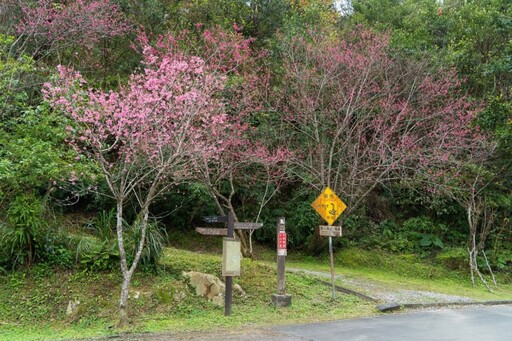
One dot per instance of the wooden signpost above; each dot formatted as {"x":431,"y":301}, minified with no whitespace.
{"x":230,"y":249}
{"x":219,"y":231}
{"x":329,"y":207}
{"x":212,"y":231}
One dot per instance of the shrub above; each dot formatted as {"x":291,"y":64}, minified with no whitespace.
{"x":453,"y":259}
{"x":431,"y":233}
{"x":99,"y":250}
{"x":23,"y":229}
{"x":155,"y":240}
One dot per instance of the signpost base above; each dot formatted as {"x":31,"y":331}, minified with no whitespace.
{"x":281,"y":301}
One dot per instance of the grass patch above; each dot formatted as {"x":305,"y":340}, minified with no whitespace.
{"x":33,"y":303}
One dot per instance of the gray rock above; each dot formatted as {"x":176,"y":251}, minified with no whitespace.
{"x":210,"y":287}
{"x":72,"y":307}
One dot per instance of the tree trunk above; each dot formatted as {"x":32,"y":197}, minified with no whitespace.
{"x":123,"y":300}
{"x":490,"y":269}
{"x":244,"y":244}
{"x":473,"y":215}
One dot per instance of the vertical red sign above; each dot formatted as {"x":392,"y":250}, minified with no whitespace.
{"x":281,"y":240}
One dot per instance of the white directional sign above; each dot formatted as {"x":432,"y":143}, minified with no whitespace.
{"x":330,"y":231}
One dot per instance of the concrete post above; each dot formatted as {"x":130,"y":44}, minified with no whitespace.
{"x":281,"y":299}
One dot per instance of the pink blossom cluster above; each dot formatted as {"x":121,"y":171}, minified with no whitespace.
{"x":166,"y":115}
{"x":84,"y":22}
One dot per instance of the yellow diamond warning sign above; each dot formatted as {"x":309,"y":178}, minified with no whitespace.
{"x":329,"y":206}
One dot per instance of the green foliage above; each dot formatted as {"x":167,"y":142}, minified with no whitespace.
{"x":436,"y":221}
{"x":34,"y":155}
{"x":22,"y":231}
{"x":34,"y":152}
{"x":185,"y":206}
{"x":30,"y":234}
{"x":453,"y":258}
{"x":54,"y":248}
{"x":18,"y":79}
{"x":314,"y":13}
{"x":431,"y":233}
{"x":95,"y":254}
{"x":98,"y":250}
{"x":473,"y":36}
{"x":501,"y":259}
{"x":34,"y":160}
{"x":155,"y":239}
{"x":496,"y":117}
{"x":258,"y":19}
{"x":25,"y":212}
{"x":301,"y":224}
{"x":481,"y":44}
{"x":301,"y":219}
{"x":420,"y":235}
{"x":393,"y":239}
{"x":156,"y":16}
{"x":416,"y":25}
{"x":104,"y":225}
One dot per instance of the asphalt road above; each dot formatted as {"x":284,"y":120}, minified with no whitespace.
{"x":489,"y":323}
{"x":476,"y":323}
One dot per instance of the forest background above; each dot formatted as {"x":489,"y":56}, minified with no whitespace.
{"x":122,"y":121}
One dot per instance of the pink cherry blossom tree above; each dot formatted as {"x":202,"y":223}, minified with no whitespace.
{"x":147,"y":136}
{"x":359,"y":116}
{"x":246,"y":159}
{"x":48,"y":26}
{"x":249,"y":158}
{"x":244,"y":164}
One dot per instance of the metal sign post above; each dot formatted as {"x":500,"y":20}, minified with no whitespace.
{"x":331,"y":231}
{"x":281,"y":299}
{"x":331,"y":255}
{"x":329,"y":207}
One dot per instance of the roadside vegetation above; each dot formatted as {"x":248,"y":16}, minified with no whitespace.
{"x":34,"y":302}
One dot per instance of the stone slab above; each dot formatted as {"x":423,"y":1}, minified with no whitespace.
{"x":388,"y":306}
{"x":281,"y":301}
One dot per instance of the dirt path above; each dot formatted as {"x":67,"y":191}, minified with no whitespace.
{"x":385,"y":293}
